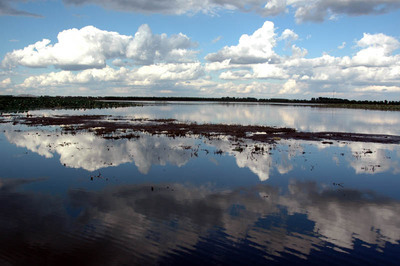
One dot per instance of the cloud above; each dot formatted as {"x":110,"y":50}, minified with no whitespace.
{"x":61,"y":78}
{"x":168,"y":72}
{"x":382,"y":41}
{"x":6,"y":9}
{"x":269,"y":71}
{"x":256,"y":48}
{"x":76,"y":49}
{"x":120,"y":63}
{"x":179,"y":7}
{"x":379,"y":89}
{"x":319,"y":10}
{"x":147,"y":48}
{"x":175,"y":7}
{"x":342,"y":46}
{"x":217,"y":39}
{"x":168,"y":63}
{"x":274,"y":7}
{"x":145,"y":75}
{"x":288,"y":35}
{"x":290,"y":87}
{"x":5,"y":82}
{"x":376,"y":50}
{"x":375,"y":65}
{"x":239,"y":74}
{"x":90,"y":47}
{"x":314,"y":11}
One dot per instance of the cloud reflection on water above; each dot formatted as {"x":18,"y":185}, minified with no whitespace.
{"x":122,"y":224}
{"x":311,"y":119}
{"x":90,"y":152}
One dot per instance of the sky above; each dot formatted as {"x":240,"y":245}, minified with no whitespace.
{"x":296,"y":49}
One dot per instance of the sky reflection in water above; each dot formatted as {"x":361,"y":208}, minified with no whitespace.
{"x":303,"y":118}
{"x":80,"y":198}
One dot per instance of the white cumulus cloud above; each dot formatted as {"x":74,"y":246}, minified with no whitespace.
{"x":90,"y":47}
{"x":289,"y":35}
{"x":147,"y":48}
{"x":107,"y":76}
{"x":76,"y":49}
{"x":251,"y":49}
{"x":147,"y":62}
{"x":377,"y":50}
{"x":375,"y":66}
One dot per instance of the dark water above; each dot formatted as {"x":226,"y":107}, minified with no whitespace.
{"x":79,"y":198}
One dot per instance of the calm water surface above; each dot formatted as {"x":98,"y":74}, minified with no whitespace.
{"x":75,"y":197}
{"x":300,"y":117}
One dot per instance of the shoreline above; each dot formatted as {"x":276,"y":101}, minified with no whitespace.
{"x":23,"y":104}
{"x":119,"y":128}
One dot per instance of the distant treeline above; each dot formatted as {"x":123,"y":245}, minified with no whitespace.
{"x":22,"y":104}
{"x":26,"y":103}
{"x":345,"y":101}
{"x":322,"y":100}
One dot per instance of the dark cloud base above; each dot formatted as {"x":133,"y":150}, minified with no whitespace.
{"x":8,"y":10}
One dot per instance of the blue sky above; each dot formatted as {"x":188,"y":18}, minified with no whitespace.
{"x":248,"y":48}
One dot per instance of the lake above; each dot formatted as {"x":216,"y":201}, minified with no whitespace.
{"x":121,"y":186}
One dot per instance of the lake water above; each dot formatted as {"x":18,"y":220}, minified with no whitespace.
{"x":80,"y":197}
